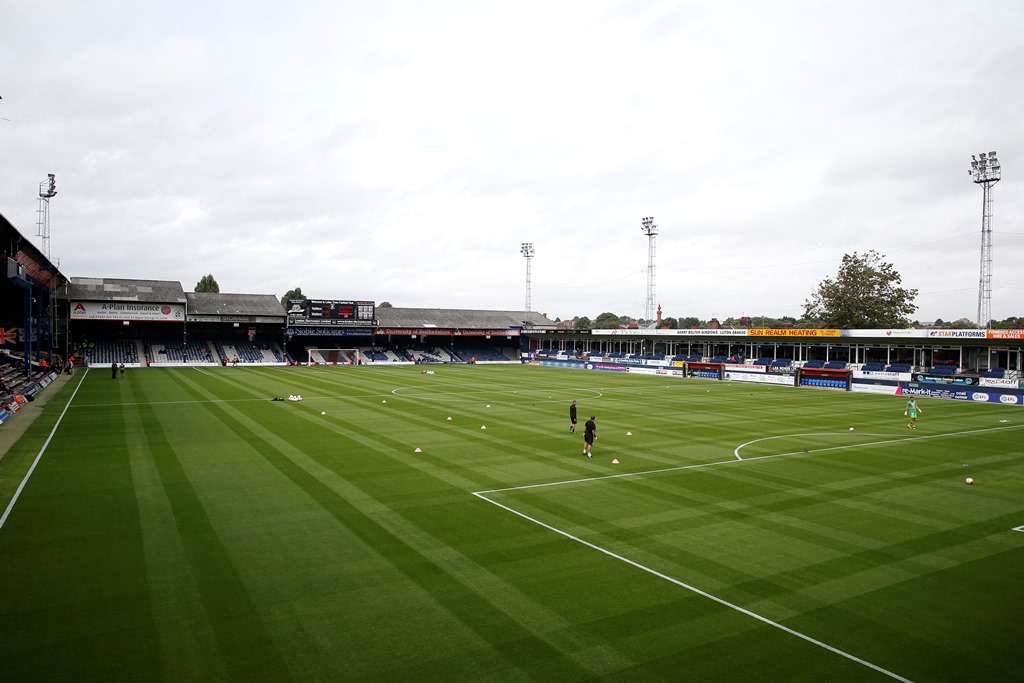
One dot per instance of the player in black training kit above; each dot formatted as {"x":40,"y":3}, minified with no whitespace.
{"x":589,"y":434}
{"x":572,"y":416}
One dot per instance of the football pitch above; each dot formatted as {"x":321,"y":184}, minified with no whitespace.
{"x":179,"y":525}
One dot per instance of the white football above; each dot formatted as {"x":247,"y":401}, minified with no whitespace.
{"x":851,"y":429}
{"x":969,"y":481}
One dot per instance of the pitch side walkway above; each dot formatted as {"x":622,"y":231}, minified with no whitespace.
{"x":12,"y":430}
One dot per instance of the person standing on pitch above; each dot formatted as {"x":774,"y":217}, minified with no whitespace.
{"x":589,"y":434}
{"x":113,"y":371}
{"x":572,"y":417}
{"x":911,"y":412}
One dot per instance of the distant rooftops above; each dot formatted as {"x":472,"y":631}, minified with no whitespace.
{"x":117,"y":289}
{"x":460,"y":318}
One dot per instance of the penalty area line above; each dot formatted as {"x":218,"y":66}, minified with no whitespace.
{"x":693,"y":589}
{"x":39,"y":456}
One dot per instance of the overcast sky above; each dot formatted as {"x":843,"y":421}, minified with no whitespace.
{"x":401,"y":151}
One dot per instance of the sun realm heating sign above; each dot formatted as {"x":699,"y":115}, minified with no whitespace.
{"x":127,"y":310}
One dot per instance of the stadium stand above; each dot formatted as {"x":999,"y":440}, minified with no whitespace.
{"x":814,"y":364}
{"x":899,"y":367}
{"x":874,"y":366}
{"x":836,"y":365}
{"x":484,"y":355}
{"x":994,"y":373}
{"x":107,"y":352}
{"x":176,"y":352}
{"x":944,"y":370}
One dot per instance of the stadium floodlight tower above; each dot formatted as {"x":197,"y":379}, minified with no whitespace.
{"x":985,"y":171}
{"x":651,"y":230}
{"x":526,"y":249}
{"x":47,"y":191}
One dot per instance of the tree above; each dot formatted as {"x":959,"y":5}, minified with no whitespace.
{"x":866,"y":292}
{"x":1014,"y":322}
{"x":207,"y":284}
{"x":688,"y":323}
{"x":385,"y":304}
{"x":607,"y":321}
{"x":582,"y":323}
{"x":292,"y":294}
{"x":669,"y":323}
{"x":963,"y":324}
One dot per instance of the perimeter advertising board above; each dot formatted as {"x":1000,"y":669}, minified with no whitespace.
{"x":127,"y":310}
{"x":1005,"y":334}
{"x":670,"y":333}
{"x":760,"y":378}
{"x":790,"y":332}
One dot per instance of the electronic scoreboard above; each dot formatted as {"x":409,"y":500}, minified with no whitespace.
{"x":330,"y":312}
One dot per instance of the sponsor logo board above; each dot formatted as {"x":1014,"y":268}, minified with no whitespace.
{"x":671,"y":333}
{"x":1005,"y":334}
{"x":759,"y":378}
{"x":998,"y":382}
{"x":888,"y":389}
{"x":790,"y":332}
{"x":958,"y":334}
{"x":746,"y":368}
{"x":127,"y":310}
{"x":881,"y":374}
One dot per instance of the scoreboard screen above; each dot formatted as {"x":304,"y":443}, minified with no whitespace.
{"x":330,"y":312}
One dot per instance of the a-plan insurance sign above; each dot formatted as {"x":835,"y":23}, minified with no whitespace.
{"x":127,"y":310}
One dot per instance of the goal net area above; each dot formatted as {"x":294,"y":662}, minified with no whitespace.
{"x":321,"y":356}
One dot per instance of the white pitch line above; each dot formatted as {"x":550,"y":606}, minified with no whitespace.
{"x":698,"y":591}
{"x":39,"y":456}
{"x":734,"y":462}
{"x":1018,"y":528}
{"x":793,"y":436}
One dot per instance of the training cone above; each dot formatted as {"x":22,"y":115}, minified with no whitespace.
{"x":384,"y":401}
{"x":629,"y":433}
{"x":418,"y":450}
{"x":615,"y":461}
{"x":483,"y":426}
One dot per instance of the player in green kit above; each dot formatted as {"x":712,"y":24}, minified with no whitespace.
{"x":912,"y":412}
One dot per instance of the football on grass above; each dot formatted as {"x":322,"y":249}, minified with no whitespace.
{"x":969,"y":481}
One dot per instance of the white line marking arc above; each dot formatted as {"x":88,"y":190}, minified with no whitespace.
{"x":39,"y":456}
{"x":753,"y":459}
{"x":793,"y":436}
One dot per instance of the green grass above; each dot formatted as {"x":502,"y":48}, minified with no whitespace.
{"x":183,"y":527}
